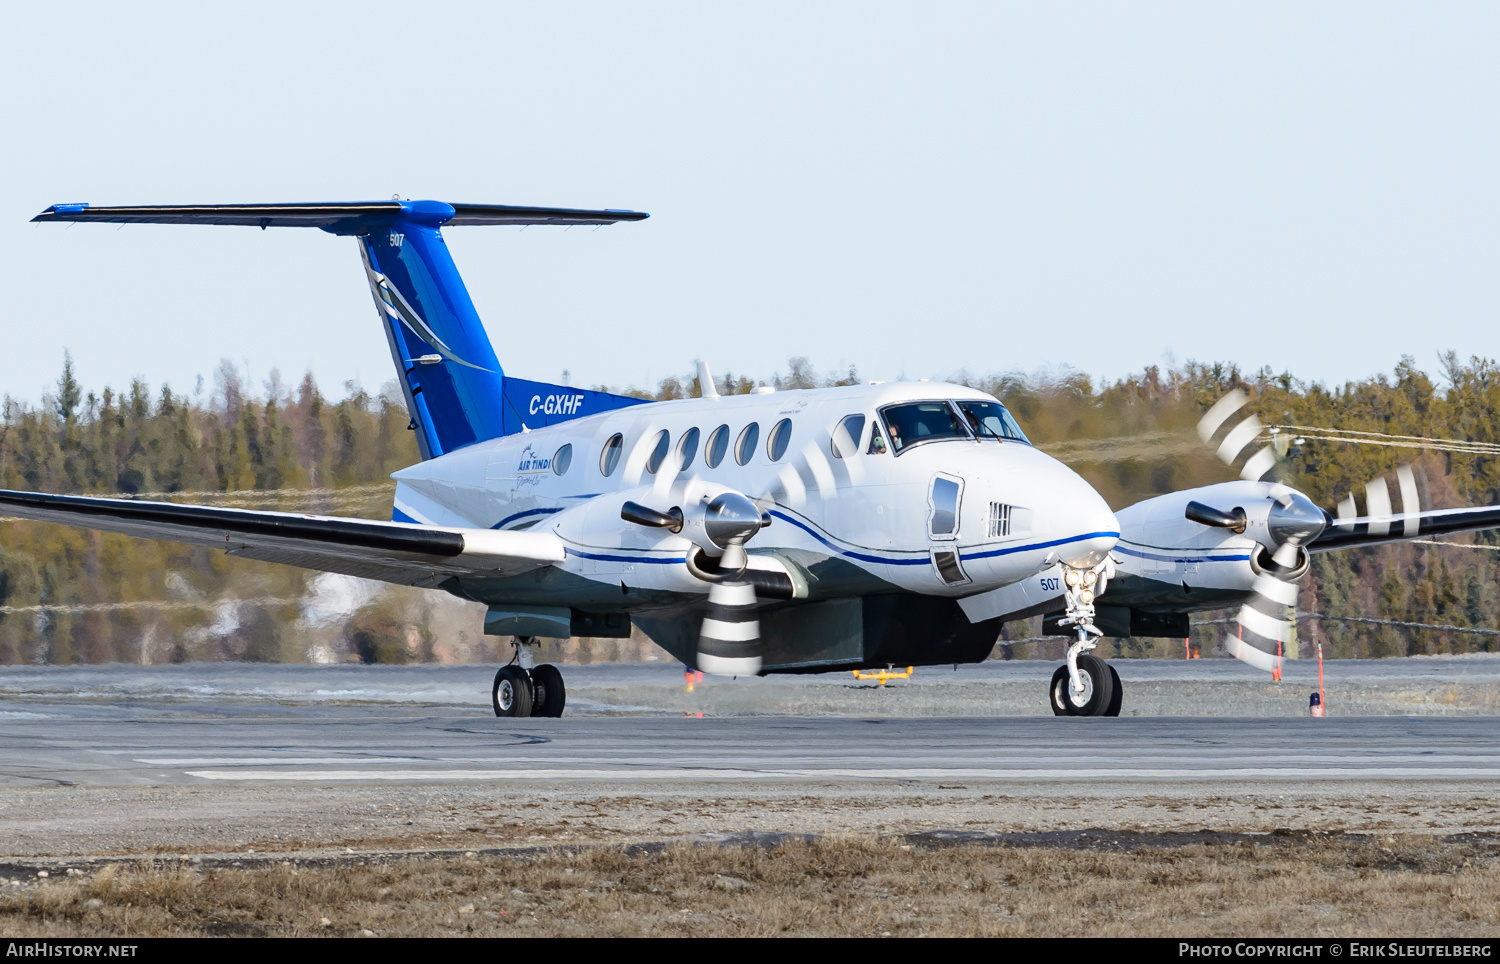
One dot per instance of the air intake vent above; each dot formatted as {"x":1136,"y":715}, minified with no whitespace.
{"x":999,"y":520}
{"x":1008,"y":520}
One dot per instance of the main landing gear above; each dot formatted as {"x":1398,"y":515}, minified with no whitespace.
{"x":1086,"y":685}
{"x":523,"y":688}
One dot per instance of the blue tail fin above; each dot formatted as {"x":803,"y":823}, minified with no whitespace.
{"x":455,"y":389}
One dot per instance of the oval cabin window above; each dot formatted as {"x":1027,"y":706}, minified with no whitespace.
{"x":781,"y":437}
{"x":610,"y":457}
{"x":659,"y":452}
{"x":687,"y":448}
{"x":744,"y":448}
{"x":718,"y":445}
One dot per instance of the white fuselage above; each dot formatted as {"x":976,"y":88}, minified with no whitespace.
{"x":1015,"y":512}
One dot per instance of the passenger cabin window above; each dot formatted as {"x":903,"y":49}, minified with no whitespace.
{"x":610,"y":457}
{"x":991,"y":420}
{"x":917,"y":422}
{"x":846,"y":436}
{"x":659,"y":452}
{"x":562,"y":459}
{"x":687,"y":448}
{"x":744,"y":446}
{"x":877,"y":441}
{"x":781,"y":436}
{"x":718,"y":444}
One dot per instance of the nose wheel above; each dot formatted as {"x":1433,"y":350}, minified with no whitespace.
{"x":1099,"y":696}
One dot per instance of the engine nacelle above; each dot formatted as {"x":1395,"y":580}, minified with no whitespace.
{"x":714,"y":520}
{"x":1271,"y":514}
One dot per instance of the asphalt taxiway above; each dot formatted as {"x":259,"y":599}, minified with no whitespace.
{"x":137,"y":726}
{"x":240,"y":758}
{"x":389,"y":745}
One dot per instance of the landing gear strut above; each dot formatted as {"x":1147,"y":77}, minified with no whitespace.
{"x":523,"y":688}
{"x":1086,"y":685}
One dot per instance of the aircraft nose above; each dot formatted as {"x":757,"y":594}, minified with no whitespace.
{"x":1086,"y":518}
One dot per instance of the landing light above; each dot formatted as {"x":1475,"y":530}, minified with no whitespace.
{"x":1071,"y":578}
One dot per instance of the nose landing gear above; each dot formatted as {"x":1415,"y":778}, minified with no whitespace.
{"x":1086,"y":685}
{"x":523,"y":688}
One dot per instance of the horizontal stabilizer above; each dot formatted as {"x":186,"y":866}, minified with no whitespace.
{"x":353,"y":218}
{"x":390,"y":551}
{"x":467,"y":214}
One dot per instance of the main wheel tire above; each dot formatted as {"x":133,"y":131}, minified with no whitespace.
{"x":1118,"y":695}
{"x":548,"y":695}
{"x":512,"y":692}
{"x":1098,"y":688}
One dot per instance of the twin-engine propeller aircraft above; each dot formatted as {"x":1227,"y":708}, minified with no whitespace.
{"x":854,"y":527}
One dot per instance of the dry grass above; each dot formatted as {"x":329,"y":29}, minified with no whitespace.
{"x":1397,"y":886}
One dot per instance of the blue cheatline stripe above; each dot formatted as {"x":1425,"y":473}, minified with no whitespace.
{"x":1040,"y":545}
{"x":398,"y":516}
{"x":601,"y":557}
{"x":1161,"y":558}
{"x":922,"y":560}
{"x":925,"y":559}
{"x":522,"y":515}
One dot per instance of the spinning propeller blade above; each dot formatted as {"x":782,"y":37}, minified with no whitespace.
{"x":729,"y":640}
{"x":1238,"y":438}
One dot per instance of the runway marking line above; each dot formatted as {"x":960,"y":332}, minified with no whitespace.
{"x":1002,"y":776}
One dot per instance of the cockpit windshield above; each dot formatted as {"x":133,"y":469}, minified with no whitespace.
{"x":991,"y":420}
{"x":917,"y":422}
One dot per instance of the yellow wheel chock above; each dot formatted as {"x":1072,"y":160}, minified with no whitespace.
{"x":883,"y":675}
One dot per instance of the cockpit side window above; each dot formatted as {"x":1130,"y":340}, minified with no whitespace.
{"x":846,"y":435}
{"x":991,"y":420}
{"x":913,"y":423}
{"x":877,"y":441}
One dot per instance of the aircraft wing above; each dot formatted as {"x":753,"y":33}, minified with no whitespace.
{"x":398,"y":552}
{"x":1367,"y":531}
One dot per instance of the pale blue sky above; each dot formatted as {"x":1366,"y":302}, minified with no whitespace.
{"x":911,"y":188}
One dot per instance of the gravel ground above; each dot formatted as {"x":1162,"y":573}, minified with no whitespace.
{"x":312,"y":821}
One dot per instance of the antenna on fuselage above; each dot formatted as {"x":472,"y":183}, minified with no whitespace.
{"x":706,"y":382}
